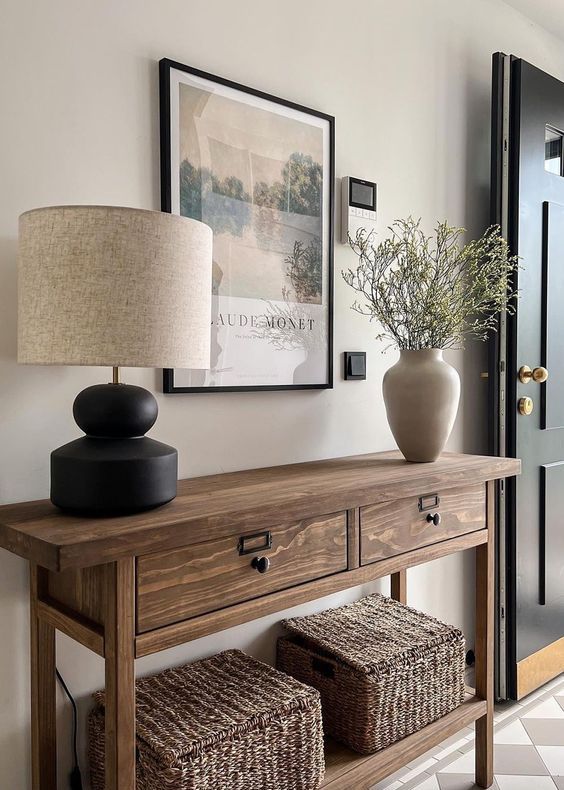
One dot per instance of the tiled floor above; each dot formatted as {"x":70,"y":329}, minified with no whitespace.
{"x":529,"y":750}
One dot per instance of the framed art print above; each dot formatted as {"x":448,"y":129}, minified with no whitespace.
{"x":260,"y":172}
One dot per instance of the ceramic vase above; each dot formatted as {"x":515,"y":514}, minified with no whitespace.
{"x":421,"y":393}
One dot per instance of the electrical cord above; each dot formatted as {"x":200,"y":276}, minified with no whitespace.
{"x":75,"y":775}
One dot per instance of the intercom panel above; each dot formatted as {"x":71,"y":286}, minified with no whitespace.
{"x":358,"y":206}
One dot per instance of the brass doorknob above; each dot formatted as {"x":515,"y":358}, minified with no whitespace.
{"x":539,"y":374}
{"x":526,"y":406}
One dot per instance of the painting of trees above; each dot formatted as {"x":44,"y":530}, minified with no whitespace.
{"x":221,"y":214}
{"x":298,"y":192}
{"x":305,"y":270}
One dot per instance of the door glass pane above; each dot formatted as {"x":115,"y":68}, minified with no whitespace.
{"x":553,"y":151}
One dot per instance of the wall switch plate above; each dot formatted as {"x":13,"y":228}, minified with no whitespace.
{"x":355,"y":365}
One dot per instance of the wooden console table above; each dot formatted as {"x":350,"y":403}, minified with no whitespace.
{"x":237,"y":546}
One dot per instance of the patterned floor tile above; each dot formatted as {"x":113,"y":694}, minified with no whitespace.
{"x":545,"y":732}
{"x":425,"y":757}
{"x":419,"y":768}
{"x":533,"y":696}
{"x":462,"y":765}
{"x":508,"y":759}
{"x":460,"y":782}
{"x":525,"y":783}
{"x":546,"y":709}
{"x":455,"y":744}
{"x":529,"y":750}
{"x":506,"y":709}
{"x":430,"y":783}
{"x":553,"y":684}
{"x":514,"y":733}
{"x":386,"y":785}
{"x":391,"y":782}
{"x":553,"y":758}
{"x":518,"y":761}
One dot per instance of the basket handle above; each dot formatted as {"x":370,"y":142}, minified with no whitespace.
{"x":322,"y":667}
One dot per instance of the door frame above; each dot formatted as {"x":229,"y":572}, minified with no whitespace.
{"x":513,"y":679}
{"x":498,"y":366}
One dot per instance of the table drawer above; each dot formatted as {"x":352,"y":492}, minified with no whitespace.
{"x":401,"y":525}
{"x":181,"y":583}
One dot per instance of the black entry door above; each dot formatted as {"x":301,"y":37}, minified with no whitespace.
{"x":528,"y":202}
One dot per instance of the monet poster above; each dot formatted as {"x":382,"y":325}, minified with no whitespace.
{"x":259,"y":172}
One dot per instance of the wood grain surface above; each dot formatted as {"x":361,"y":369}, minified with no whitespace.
{"x":540,"y":667}
{"x":211,"y":622}
{"x":119,"y":630}
{"x":80,"y":589}
{"x":390,"y":528}
{"x":485,"y":644}
{"x":84,"y":631}
{"x":212,"y":507}
{"x":181,"y":583}
{"x":398,"y":586}
{"x":346,"y":770}
{"x":43,"y":691}
{"x":183,"y":562}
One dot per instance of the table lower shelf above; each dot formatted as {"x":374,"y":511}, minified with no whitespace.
{"x":345,"y":769}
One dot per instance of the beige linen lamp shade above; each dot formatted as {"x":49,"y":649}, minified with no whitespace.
{"x":103,"y":285}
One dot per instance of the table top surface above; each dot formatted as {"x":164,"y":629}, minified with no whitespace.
{"x":210,"y":507}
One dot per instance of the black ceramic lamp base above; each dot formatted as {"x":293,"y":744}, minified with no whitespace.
{"x":114,"y":468}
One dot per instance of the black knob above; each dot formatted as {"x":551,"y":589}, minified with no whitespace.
{"x":262,"y":564}
{"x":435,"y":518}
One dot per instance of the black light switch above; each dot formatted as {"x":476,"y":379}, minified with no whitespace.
{"x":355,"y":365}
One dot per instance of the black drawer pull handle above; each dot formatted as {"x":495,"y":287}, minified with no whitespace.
{"x":262,"y":564}
{"x":251,"y":544}
{"x":428,"y":502}
{"x":435,"y":518}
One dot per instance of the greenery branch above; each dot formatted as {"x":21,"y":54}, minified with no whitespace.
{"x":432,"y":291}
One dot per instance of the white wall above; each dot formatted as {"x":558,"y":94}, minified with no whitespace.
{"x":409,"y":84}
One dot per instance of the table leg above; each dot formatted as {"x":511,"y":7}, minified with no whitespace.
{"x":484,"y":649}
{"x":43,"y":693}
{"x":398,"y":584}
{"x":119,"y":630}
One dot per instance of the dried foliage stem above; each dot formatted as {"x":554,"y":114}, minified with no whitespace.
{"x":432,"y":291}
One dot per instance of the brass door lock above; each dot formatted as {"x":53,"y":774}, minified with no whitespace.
{"x":526,"y":406}
{"x":539,"y":375}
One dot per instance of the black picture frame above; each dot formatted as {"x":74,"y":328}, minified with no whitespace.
{"x":166,"y":65}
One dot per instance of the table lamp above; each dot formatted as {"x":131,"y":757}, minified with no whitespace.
{"x":102,"y":285}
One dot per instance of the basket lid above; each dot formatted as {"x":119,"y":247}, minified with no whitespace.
{"x":374,"y":634}
{"x":184,"y":711}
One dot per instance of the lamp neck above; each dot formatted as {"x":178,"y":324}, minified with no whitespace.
{"x":115,"y":376}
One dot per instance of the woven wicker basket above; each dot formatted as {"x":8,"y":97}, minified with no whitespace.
{"x":383,"y":669}
{"x":227,"y":722}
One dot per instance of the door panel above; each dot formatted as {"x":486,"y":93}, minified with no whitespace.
{"x":552,"y":405}
{"x":551,"y":581}
{"x":533,"y":204}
